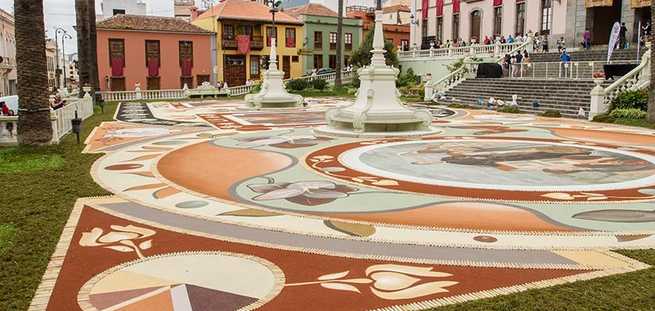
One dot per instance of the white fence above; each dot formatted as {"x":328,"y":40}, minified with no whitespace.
{"x":496,"y":50}
{"x":558,"y":70}
{"x":60,"y":118}
{"x":124,"y":96}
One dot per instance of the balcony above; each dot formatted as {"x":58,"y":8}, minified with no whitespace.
{"x":256,"y":43}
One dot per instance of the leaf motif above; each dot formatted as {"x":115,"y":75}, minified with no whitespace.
{"x":416,"y":291}
{"x":145,"y":187}
{"x":323,"y":157}
{"x":165,"y":192}
{"x":340,"y":286}
{"x":355,"y":179}
{"x":146,"y":245}
{"x":558,"y":196}
{"x":90,"y":238}
{"x":411,"y":270}
{"x":353,"y":229}
{"x":333,"y":276}
{"x":145,"y":157}
{"x":279,"y":194}
{"x":597,"y":198}
{"x":250,"y":212}
{"x":386,"y":182}
{"x":333,"y":169}
{"x":121,"y":248}
{"x":590,"y":194}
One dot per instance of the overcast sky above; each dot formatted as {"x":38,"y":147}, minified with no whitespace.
{"x":61,"y":13}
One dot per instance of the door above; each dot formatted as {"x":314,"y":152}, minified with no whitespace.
{"x":153,"y":83}
{"x":286,"y":66}
{"x":234,"y":72}
{"x":476,"y":17}
{"x":117,"y":84}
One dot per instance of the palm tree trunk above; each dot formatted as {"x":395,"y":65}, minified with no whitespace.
{"x":651,"y":95}
{"x":34,"y":125}
{"x":337,"y":79}
{"x":92,"y":45}
{"x":82,"y":16}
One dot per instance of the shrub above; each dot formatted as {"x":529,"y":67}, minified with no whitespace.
{"x":605,"y":118}
{"x":256,"y":88}
{"x":551,"y":114}
{"x":319,"y":84}
{"x":408,"y":78}
{"x":628,"y":113}
{"x":631,"y":99}
{"x":509,"y":109}
{"x":297,"y":84}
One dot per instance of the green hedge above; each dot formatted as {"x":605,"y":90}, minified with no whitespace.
{"x":631,"y":99}
{"x":297,"y":84}
{"x":628,"y":113}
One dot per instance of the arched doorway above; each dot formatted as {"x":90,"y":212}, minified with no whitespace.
{"x":600,"y":20}
{"x":476,"y":22}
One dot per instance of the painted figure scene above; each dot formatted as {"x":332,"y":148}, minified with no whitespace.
{"x":201,"y":155}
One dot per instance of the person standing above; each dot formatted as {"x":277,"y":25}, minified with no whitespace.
{"x":622,"y":36}
{"x":545,"y":43}
{"x":586,"y":39}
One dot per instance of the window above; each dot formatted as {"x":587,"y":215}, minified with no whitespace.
{"x":254,"y":67}
{"x":424,"y":29}
{"x":202,"y":79}
{"x":270,"y":33}
{"x":186,"y":59}
{"x":118,"y":11}
{"x":439,"y":34}
{"x":333,"y":41}
{"x":498,"y":20}
{"x":455,"y":27}
{"x":295,"y":58}
{"x":349,"y":41}
{"x":318,"y":40}
{"x":290,"y":35}
{"x":228,"y":32}
{"x":333,"y":61}
{"x":520,"y":18}
{"x":117,"y":57}
{"x":153,"y":60}
{"x":318,"y":61}
{"x":404,"y":45}
{"x":546,"y":16}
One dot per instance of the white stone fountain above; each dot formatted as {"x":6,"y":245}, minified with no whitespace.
{"x":377,"y":111}
{"x":273,"y":94}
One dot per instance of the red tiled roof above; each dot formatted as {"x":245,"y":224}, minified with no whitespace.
{"x":149,"y":23}
{"x":247,"y":10}
{"x":396,"y":8}
{"x":311,"y":9}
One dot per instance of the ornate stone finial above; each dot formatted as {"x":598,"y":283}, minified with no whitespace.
{"x":273,"y":55}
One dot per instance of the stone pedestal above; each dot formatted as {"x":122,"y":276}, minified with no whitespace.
{"x":273,"y":94}
{"x":378,"y":111}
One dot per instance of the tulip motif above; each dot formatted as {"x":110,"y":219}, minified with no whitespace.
{"x":389,"y":281}
{"x":124,"y":239}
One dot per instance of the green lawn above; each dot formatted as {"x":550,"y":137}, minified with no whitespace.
{"x":41,"y":185}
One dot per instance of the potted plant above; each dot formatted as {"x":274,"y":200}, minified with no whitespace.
{"x":598,"y":77}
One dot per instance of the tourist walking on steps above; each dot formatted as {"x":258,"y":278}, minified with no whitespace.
{"x":622,"y":39}
{"x":545,"y":43}
{"x":586,"y":39}
{"x":561,"y":45}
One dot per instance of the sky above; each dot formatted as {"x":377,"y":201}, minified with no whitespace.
{"x":61,"y":13}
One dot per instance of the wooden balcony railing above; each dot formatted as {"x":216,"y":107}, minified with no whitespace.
{"x":256,"y":43}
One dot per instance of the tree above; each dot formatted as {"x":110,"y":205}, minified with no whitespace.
{"x":82,"y":21}
{"x":362,"y":56}
{"x":651,"y":97}
{"x":337,"y":79}
{"x":34,"y":125}
{"x":94,"y":80}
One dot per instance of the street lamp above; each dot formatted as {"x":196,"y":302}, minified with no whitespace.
{"x":63,"y":51}
{"x":275,"y":7}
{"x":59,"y":30}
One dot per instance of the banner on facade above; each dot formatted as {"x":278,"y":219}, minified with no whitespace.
{"x":640,"y":3}
{"x":439,"y":8}
{"x":497,"y":2}
{"x":595,"y":3}
{"x":614,"y":40}
{"x":456,"y":6}
{"x":243,"y":44}
{"x":425,"y":6}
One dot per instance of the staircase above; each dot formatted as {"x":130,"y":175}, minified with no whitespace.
{"x":590,"y":55}
{"x":565,"y":96}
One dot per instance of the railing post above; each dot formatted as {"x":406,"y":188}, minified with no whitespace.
{"x":429,"y":90}
{"x":597,"y":105}
{"x":497,"y":49}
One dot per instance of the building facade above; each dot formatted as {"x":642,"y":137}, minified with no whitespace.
{"x":244,"y":30}
{"x":183,"y":9}
{"x":319,"y":47}
{"x":7,"y":54}
{"x":443,"y":20}
{"x":110,"y":8}
{"x":395,"y":33}
{"x":51,"y":62}
{"x":153,"y":52}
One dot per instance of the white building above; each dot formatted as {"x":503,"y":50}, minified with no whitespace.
{"x":109,"y":8}
{"x":7,"y":55}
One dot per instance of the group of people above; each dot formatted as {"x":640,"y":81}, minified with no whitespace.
{"x":512,"y":63}
{"x":5,"y":111}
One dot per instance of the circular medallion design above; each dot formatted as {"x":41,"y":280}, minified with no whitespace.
{"x":547,"y":169}
{"x":185,"y":281}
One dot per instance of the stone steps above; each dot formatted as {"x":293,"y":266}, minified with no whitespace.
{"x":591,"y":55}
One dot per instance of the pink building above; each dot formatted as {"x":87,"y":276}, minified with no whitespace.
{"x":155,"y":52}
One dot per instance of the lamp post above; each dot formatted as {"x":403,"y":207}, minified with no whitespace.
{"x":274,"y":5}
{"x":58,"y":30}
{"x":63,"y":51}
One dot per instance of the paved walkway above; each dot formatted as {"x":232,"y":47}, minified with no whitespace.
{"x":217,"y":207}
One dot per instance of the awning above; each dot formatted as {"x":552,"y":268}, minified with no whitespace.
{"x":595,"y":3}
{"x":640,"y":3}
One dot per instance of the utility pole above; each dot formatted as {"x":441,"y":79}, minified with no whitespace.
{"x":337,"y":78}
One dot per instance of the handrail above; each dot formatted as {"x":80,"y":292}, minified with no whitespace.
{"x":630,"y":76}
{"x":492,"y":49}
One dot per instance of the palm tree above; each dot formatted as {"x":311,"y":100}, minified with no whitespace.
{"x":93,"y":46}
{"x":82,"y":21}
{"x":34,"y":125}
{"x":337,"y":78}
{"x":651,"y":95}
